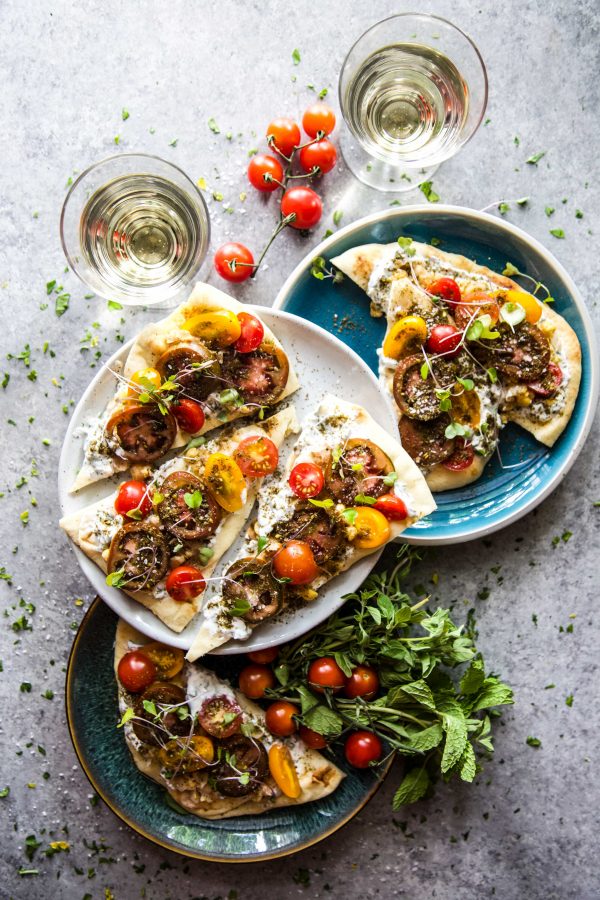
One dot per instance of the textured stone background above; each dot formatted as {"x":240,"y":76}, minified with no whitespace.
{"x":529,"y":827}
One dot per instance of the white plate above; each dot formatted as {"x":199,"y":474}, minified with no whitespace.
{"x":324,"y":365}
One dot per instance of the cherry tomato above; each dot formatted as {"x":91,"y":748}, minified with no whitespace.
{"x":220,"y":327}
{"x":362,"y":748}
{"x":283,"y":771}
{"x":306,"y":480}
{"x":139,"y":381}
{"x":255,"y":680}
{"x":473,"y":305}
{"x":226,"y":481}
{"x":364,"y":682}
{"x":444,"y":339}
{"x":547,"y":386}
{"x":279,"y":718}
{"x":372,"y":528}
{"x":447,"y":289}
{"x":168,"y":660}
{"x":133,"y":495}
{"x":185,"y":583}
{"x":264,"y":657}
{"x":252,"y":334}
{"x":220,"y":716}
{"x":461,"y":458}
{"x":136,"y":672}
{"x":295,"y":561}
{"x":533,"y":308}
{"x":320,"y":155}
{"x":190,"y":415}
{"x":257,"y":456}
{"x":305,"y":204}
{"x":393,"y":507}
{"x":323,"y":673}
{"x":264,"y":172}
{"x":311,"y":738}
{"x":284,"y":135}
{"x":318,"y":118}
{"x":234,"y":262}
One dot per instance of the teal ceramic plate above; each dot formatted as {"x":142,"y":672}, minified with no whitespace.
{"x":529,"y":471}
{"x":91,"y":700}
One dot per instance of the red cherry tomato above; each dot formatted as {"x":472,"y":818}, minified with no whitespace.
{"x":283,"y":134}
{"x":318,"y":118}
{"x":264,"y":172}
{"x":305,"y":204}
{"x":252,"y":333}
{"x":185,"y":583}
{"x":220,"y":716}
{"x":255,"y":680}
{"x":362,"y":748}
{"x":295,"y":561}
{"x":189,"y":414}
{"x":547,"y":386}
{"x":321,"y":155}
{"x":364,"y":682}
{"x":323,"y":673}
{"x":311,"y":738}
{"x":256,"y":456}
{"x":307,"y":480}
{"x":279,"y":718}
{"x":447,"y":289}
{"x":444,"y":339}
{"x":392,"y":507}
{"x":234,"y":262}
{"x":264,"y":657}
{"x":136,"y":672}
{"x":133,"y":495}
{"x":461,"y":458}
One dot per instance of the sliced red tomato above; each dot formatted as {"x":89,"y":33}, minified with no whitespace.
{"x":461,"y":458}
{"x":136,"y":672}
{"x":190,"y":415}
{"x":133,"y":495}
{"x":256,"y":456}
{"x":549,"y":385}
{"x":307,"y":480}
{"x":393,"y":507}
{"x":220,"y":716}
{"x":252,"y":334}
{"x":447,"y":289}
{"x":184,"y":583}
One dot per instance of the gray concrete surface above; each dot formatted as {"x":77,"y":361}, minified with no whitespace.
{"x":529,"y":827}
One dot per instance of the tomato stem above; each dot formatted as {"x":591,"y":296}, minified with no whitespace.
{"x":283,"y":223}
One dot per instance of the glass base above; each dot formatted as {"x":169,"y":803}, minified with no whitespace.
{"x":379,"y":175}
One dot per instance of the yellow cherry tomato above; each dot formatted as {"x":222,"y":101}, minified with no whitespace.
{"x":283,"y":770}
{"x":139,"y":380}
{"x":225,"y":481}
{"x":185,"y":754}
{"x":532,"y":307}
{"x":372,"y":527}
{"x":220,"y":327}
{"x":466,"y":408}
{"x":405,"y":337}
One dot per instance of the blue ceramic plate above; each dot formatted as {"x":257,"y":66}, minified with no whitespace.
{"x":529,"y":471}
{"x":91,"y":700}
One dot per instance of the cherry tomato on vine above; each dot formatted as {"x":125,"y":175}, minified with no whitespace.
{"x":252,"y":333}
{"x":362,"y":748}
{"x":447,"y":289}
{"x":254,"y":680}
{"x":311,"y":738}
{"x":364,"y":682}
{"x":444,"y":339}
{"x":295,"y":561}
{"x":136,"y":672}
{"x":234,"y":262}
{"x":306,"y":480}
{"x":323,"y":673}
{"x":264,"y":172}
{"x":320,"y":154}
{"x":256,"y":456}
{"x":392,"y":507}
{"x":283,"y":134}
{"x":133,"y":495}
{"x":264,"y":657}
{"x":185,"y":583}
{"x":279,"y":718}
{"x":189,"y":415}
{"x":318,"y":118}
{"x":305,"y":204}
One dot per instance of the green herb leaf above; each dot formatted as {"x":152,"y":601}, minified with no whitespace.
{"x":116,"y":579}
{"x":205,"y":554}
{"x":533,"y":742}
{"x":213,"y":126}
{"x":407,"y":245}
{"x":467,"y":383}
{"x":557,"y":232}
{"x":296,"y":56}
{"x":492,"y":374}
{"x":422,"y":741}
{"x":510,"y":270}
{"x":61,"y":304}
{"x":349,"y":516}
{"x":424,"y":371}
{"x":261,"y":543}
{"x":455,"y":726}
{"x":322,"y":504}
{"x":193,"y":500}
{"x":390,"y":479}
{"x":426,"y":188}
{"x":239,"y":608}
{"x":112,"y":304}
{"x":323,"y":720}
{"x":535,"y":158}
{"x":365,"y":500}
{"x":127,"y":715}
{"x":337,"y":217}
{"x":414,"y":786}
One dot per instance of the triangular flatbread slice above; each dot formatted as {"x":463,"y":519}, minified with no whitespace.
{"x":94,"y":527}
{"x":183,"y":329}
{"x":337,"y":433}
{"x":318,"y":777}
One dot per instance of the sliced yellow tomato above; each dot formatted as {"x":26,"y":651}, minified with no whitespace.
{"x":405,"y":337}
{"x":140,"y":379}
{"x":283,"y":770}
{"x":168,"y":660}
{"x":187,"y":754}
{"x":532,"y":307}
{"x":372,"y":527}
{"x":225,"y":481}
{"x":466,"y":408}
{"x":219,"y":327}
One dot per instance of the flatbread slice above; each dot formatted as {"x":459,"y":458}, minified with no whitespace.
{"x":317,"y":776}
{"x":94,"y":527}
{"x":331,"y":435}
{"x":101,"y":451}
